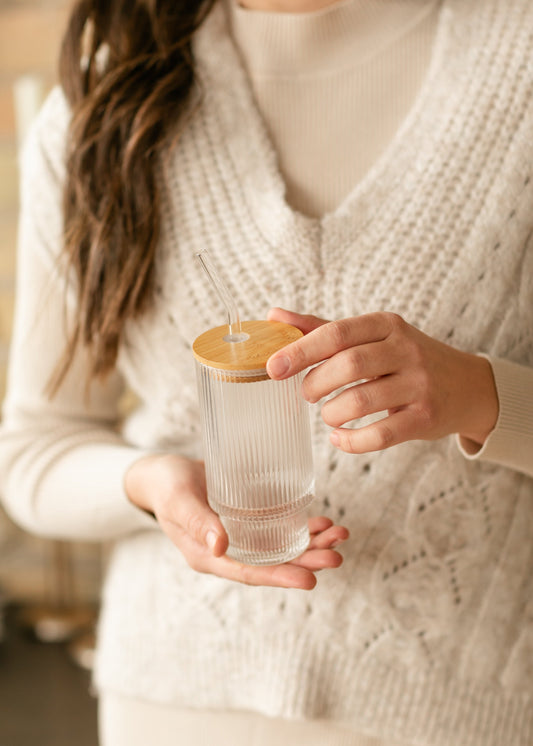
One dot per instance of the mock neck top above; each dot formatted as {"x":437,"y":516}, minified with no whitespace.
{"x":333,"y":86}
{"x":334,"y":38}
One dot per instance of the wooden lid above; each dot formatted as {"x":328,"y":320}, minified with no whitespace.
{"x":264,"y":338}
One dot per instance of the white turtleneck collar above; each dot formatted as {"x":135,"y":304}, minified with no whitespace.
{"x":337,"y":36}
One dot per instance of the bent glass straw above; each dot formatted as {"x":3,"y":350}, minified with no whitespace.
{"x":234,"y":323}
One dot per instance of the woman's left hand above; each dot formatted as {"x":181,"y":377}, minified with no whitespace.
{"x":428,"y":388}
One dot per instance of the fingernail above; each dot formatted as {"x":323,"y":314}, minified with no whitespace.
{"x":335,"y":438}
{"x":211,"y":540}
{"x":278,"y":366}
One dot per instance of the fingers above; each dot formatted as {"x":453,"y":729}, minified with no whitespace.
{"x":200,"y":559}
{"x":200,"y":533}
{"x":320,"y":554}
{"x":328,"y":339}
{"x":299,"y":573}
{"x":385,"y":393}
{"x":420,"y":381}
{"x":177,"y":495}
{"x":280,"y":576}
{"x":184,"y":504}
{"x":328,"y":538}
{"x":319,"y":559}
{"x":348,"y":366}
{"x":305,"y":323}
{"x":318,"y":523}
{"x":391,"y":430}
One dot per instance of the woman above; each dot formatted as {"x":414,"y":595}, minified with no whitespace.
{"x":368,"y":162}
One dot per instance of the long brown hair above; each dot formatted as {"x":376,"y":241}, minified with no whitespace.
{"x":127,"y":70}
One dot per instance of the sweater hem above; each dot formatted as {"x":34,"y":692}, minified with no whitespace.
{"x":396,"y":704}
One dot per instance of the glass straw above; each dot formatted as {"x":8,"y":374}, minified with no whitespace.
{"x":234,"y":322}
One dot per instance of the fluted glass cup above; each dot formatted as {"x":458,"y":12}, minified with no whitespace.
{"x":257,"y":443}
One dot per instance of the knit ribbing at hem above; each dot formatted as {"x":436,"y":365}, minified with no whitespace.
{"x":412,"y":706}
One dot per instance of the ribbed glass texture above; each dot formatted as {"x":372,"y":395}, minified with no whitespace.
{"x":258,"y":460}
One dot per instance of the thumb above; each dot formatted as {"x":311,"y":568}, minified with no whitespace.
{"x":201,"y":523}
{"x":305,"y":323}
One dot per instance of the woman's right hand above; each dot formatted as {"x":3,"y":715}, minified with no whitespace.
{"x":173,"y":488}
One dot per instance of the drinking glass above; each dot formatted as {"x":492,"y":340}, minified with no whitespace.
{"x":257,"y":442}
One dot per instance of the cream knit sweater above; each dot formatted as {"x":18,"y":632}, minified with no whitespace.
{"x":426,"y":633}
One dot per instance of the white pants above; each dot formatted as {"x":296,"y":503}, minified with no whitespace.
{"x":130,"y":722}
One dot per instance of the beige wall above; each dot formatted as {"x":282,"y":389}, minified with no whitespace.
{"x":30,"y":33}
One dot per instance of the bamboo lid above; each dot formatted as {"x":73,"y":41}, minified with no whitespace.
{"x":264,"y":338}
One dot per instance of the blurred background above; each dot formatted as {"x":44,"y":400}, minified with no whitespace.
{"x":48,"y":590}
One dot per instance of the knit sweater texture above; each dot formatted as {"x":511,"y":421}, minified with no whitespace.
{"x":425,"y":635}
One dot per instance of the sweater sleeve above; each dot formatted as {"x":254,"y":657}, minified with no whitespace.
{"x":511,"y":442}
{"x":62,"y":460}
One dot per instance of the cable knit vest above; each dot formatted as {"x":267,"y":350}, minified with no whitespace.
{"x":426,"y":632}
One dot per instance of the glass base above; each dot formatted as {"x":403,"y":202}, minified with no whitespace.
{"x":267,"y":542}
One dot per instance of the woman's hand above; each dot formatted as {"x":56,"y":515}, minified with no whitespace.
{"x":174,"y":490}
{"x":428,"y":388}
